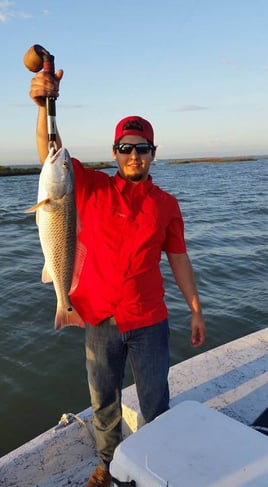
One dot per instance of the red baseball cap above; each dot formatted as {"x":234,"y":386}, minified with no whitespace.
{"x":134,"y":125}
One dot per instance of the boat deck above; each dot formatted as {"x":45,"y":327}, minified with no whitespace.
{"x":232,"y":378}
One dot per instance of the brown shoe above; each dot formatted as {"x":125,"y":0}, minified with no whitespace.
{"x":100,"y":478}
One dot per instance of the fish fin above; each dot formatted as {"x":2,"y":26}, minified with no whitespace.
{"x":35,"y":207}
{"x":68,"y":317}
{"x":46,"y":277}
{"x":80,"y":255}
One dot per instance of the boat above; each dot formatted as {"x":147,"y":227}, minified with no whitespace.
{"x":221,"y":395}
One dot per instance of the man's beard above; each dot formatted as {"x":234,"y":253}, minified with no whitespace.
{"x":135,"y":178}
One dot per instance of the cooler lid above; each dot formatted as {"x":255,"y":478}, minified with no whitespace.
{"x":192,"y":445}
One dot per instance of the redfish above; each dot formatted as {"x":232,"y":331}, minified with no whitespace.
{"x":56,"y":220}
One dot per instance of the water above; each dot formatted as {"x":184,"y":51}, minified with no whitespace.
{"x":43,"y":372}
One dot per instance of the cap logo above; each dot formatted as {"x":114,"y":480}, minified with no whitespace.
{"x":133,"y":125}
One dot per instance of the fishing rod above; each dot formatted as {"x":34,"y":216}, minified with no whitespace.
{"x":36,"y":59}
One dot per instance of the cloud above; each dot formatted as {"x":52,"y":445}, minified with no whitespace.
{"x":8,"y":11}
{"x":232,"y":64}
{"x":4,"y":10}
{"x":6,"y":4}
{"x":190,"y":108}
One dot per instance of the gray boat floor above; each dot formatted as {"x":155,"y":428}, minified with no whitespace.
{"x":232,"y":378}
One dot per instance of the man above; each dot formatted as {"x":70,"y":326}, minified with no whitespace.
{"x":126,"y":222}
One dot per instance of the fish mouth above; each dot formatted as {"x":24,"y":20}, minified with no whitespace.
{"x":55,"y":154}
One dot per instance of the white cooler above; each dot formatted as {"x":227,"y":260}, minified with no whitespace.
{"x":192,"y":445}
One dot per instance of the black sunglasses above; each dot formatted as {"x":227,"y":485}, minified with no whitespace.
{"x":142,"y":148}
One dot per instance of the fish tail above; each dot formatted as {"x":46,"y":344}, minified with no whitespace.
{"x":68,"y":317}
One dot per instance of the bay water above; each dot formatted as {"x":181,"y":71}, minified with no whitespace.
{"x":42,"y":372}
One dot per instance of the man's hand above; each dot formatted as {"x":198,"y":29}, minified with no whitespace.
{"x":198,"y":330}
{"x":43,"y":85}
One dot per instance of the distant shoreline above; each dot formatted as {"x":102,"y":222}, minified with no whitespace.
{"x":24,"y":171}
{"x":215,"y":159}
{"x":17,"y":171}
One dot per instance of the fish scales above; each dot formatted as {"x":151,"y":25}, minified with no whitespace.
{"x":57,"y":232}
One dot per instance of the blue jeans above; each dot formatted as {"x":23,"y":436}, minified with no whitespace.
{"x":106,"y":353}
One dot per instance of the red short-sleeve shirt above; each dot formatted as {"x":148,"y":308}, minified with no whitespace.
{"x":123,"y":228}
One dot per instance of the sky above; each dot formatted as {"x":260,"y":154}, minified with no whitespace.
{"x":197,"y":69}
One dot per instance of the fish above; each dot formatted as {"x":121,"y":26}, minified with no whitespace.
{"x":57,"y":225}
